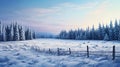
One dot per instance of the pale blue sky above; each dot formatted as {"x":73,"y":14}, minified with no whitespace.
{"x":55,"y":15}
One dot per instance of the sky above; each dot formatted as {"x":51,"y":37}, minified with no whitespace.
{"x":52,"y":16}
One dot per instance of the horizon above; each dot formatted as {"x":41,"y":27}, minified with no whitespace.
{"x":54,"y":16}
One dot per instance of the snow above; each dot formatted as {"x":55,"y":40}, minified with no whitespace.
{"x":27,"y":53}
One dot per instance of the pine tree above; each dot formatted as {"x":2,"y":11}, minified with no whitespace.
{"x":63,"y":35}
{"x":71,"y":34}
{"x":111,"y":32}
{"x":11,"y":33}
{"x":88,"y":33}
{"x":81,"y":35}
{"x":8,"y":33}
{"x":116,"y":30}
{"x":100,"y":32}
{"x":119,"y":36}
{"x":30,"y":35}
{"x":34,"y":35}
{"x":85,"y":35}
{"x":15,"y":33}
{"x":103,"y":32}
{"x":3,"y":34}
{"x":107,"y":30}
{"x":93,"y":33}
{"x":0,"y":31}
{"x":21,"y":33}
{"x":27,"y":34}
{"x":77,"y":34}
{"x":106,"y":38}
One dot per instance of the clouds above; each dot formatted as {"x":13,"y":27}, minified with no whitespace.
{"x":62,"y":16}
{"x":56,"y":18}
{"x":104,"y":13}
{"x":65,"y":15}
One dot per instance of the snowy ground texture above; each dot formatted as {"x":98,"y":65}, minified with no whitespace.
{"x":31,"y":53}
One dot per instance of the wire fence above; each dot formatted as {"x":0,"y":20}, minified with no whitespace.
{"x":60,"y":51}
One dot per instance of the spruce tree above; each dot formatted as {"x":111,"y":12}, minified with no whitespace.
{"x":111,"y":32}
{"x":27,"y":34}
{"x":30,"y":35}
{"x":21,"y":33}
{"x":106,"y":38}
{"x":3,"y":34}
{"x":0,"y":31}
{"x":100,"y":32}
{"x":8,"y":33}
{"x":93,"y":33}
{"x":15,"y":33}
{"x":34,"y":35}
{"x":103,"y":32}
{"x":116,"y":30}
{"x":71,"y":34}
{"x":119,"y":36}
{"x":63,"y":35}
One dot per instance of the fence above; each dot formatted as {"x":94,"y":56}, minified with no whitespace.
{"x":61,"y":51}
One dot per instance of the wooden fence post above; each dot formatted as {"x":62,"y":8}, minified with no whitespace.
{"x":69,"y":51}
{"x":58,"y":51}
{"x":87,"y":51}
{"x":113,"y":53}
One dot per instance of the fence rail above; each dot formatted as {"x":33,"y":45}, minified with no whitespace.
{"x":113,"y":53}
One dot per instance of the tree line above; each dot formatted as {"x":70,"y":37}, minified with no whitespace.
{"x":103,"y":32}
{"x":15,"y":32}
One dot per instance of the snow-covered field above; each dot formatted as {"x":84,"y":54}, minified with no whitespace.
{"x":24,"y":53}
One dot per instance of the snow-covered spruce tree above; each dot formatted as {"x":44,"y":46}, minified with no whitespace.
{"x":85,"y":35}
{"x":81,"y":35}
{"x":28,"y":34}
{"x":77,"y":34}
{"x":34,"y":35}
{"x":93,"y":33}
{"x":111,"y":31}
{"x":21,"y":33}
{"x":71,"y":34}
{"x":107,"y":29}
{"x":110,"y":34}
{"x":116,"y":30}
{"x":3,"y":34}
{"x":11,"y":28}
{"x":119,"y":36}
{"x":15,"y":33}
{"x":63,"y":35}
{"x":96,"y":35}
{"x":106,"y":38}
{"x":103,"y":32}
{"x":0,"y":31}
{"x":8,"y":33}
{"x":100,"y":32}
